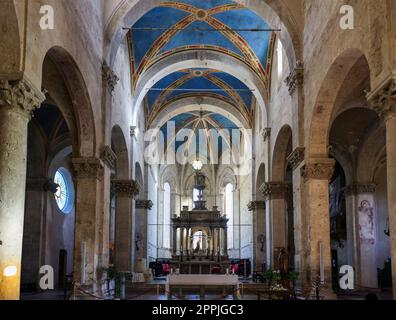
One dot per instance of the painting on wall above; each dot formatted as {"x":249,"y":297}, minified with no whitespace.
{"x":366,"y":222}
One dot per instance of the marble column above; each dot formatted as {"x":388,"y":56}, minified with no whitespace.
{"x":275,"y":196}
{"x":125,"y":191}
{"x":18,"y":99}
{"x":383,"y":100}
{"x":142,"y":209}
{"x":259,"y":234}
{"x":316,"y":174}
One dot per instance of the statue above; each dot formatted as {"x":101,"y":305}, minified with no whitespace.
{"x":198,"y":247}
{"x":283,"y":263}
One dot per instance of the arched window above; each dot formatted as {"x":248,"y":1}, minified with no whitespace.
{"x":195,"y":194}
{"x":279,"y":52}
{"x":64,"y":195}
{"x":229,"y":211}
{"x":167,"y":215}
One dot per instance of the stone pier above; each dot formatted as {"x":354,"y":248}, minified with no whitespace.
{"x":18,"y":99}
{"x":316,"y":174}
{"x":383,"y":101}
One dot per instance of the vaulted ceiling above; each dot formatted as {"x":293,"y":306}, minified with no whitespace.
{"x":199,"y":82}
{"x":211,"y":25}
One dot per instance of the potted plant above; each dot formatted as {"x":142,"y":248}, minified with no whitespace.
{"x":112,"y":276}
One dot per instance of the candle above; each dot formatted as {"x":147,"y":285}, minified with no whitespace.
{"x":322,"y":277}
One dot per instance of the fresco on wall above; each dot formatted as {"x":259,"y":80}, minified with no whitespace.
{"x":366,"y":222}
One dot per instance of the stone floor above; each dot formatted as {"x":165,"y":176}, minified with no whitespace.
{"x":155,"y":290}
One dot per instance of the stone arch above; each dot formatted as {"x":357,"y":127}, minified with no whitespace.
{"x":372,"y":153}
{"x":184,"y":105}
{"x":66,"y":86}
{"x":227,"y":175}
{"x":10,"y":40}
{"x":122,"y":214}
{"x":168,"y":174}
{"x":275,"y":13}
{"x":280,"y":153}
{"x":260,"y":180}
{"x":354,"y":144}
{"x":326,"y":101}
{"x":199,"y":59}
{"x":119,"y":146}
{"x":188,"y":179}
{"x":139,"y":178}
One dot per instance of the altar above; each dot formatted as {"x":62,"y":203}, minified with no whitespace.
{"x":175,"y":281}
{"x":202,"y":247}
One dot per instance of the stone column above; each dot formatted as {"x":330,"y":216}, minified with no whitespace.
{"x":296,"y":161}
{"x":225,"y":244}
{"x":218,"y":249}
{"x":360,"y":200}
{"x":383,"y":100}
{"x":182,"y":244}
{"x":88,"y":175}
{"x":125,"y":191}
{"x":189,"y":240}
{"x":275,"y":196}
{"x":18,"y":99}
{"x":316,"y":174}
{"x":174,"y":246}
{"x":211,"y":242}
{"x":109,"y":159}
{"x":142,"y":209}
{"x":37,"y":191}
{"x":259,"y":234}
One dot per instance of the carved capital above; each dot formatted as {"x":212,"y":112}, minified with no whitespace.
{"x":360,"y":188}
{"x":20,"y":96}
{"x":256,"y":205}
{"x":383,"y":99}
{"x":109,"y":77}
{"x":296,"y":157}
{"x":88,"y":168}
{"x":275,"y":190}
{"x":295,"y":78}
{"x":132,"y":131}
{"x":144,"y":204}
{"x":266,"y":134}
{"x":322,"y":169}
{"x":109,"y":157}
{"x":126,"y":188}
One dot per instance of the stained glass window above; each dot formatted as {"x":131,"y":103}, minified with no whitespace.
{"x":64,"y":194}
